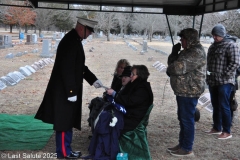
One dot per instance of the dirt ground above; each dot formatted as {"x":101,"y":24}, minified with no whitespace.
{"x":163,"y":128}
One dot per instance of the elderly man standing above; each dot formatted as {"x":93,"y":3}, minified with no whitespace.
{"x":187,"y":70}
{"x":222,"y":62}
{"x":62,"y":102}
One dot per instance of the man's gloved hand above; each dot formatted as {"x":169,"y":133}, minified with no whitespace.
{"x":97,"y":84}
{"x":72,"y":99}
{"x":176,"y":48}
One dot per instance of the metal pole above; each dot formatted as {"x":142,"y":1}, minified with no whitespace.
{"x":200,"y":29}
{"x":169,"y":29}
{"x":193,"y":21}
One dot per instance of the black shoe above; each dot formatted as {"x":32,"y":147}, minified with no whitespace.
{"x":77,"y":152}
{"x":72,"y":155}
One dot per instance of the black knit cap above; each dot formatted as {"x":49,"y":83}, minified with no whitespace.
{"x":127,"y":71}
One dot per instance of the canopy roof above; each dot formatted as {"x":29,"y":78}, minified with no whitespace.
{"x":169,"y":7}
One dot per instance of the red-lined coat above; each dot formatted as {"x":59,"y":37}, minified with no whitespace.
{"x":66,"y":81}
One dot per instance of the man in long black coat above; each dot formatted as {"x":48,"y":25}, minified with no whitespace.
{"x":62,"y":102}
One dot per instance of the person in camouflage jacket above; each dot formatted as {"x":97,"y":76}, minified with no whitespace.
{"x":187,"y":69}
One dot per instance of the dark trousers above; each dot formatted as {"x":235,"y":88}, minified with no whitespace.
{"x":220,"y":98}
{"x":186,"y":111}
{"x":63,"y":143}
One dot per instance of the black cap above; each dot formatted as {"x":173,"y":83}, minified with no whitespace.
{"x":127,"y":71}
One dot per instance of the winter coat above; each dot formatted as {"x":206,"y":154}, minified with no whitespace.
{"x":116,"y":83}
{"x":223,"y":60}
{"x":187,"y":69}
{"x":66,"y":80}
{"x":136,"y":97}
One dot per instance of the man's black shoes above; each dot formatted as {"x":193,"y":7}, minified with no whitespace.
{"x":72,"y":155}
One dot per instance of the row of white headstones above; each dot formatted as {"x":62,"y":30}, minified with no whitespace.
{"x":15,"y":77}
{"x":159,"y":66}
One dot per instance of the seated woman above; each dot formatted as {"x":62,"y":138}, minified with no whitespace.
{"x":117,"y":82}
{"x":106,"y":132}
{"x":136,"y":97}
{"x":97,"y":103}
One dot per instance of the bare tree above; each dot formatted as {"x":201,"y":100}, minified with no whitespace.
{"x":106,"y":22}
{"x":124,"y":20}
{"x":148,"y":23}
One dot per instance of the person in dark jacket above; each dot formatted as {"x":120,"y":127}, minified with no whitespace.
{"x":62,"y":102}
{"x":117,"y":80}
{"x":136,"y":97}
{"x":223,"y":60}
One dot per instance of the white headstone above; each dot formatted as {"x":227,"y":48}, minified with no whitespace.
{"x":204,"y":99}
{"x":42,"y":62}
{"x":14,"y":77}
{"x":54,"y":36}
{"x":19,"y":74}
{"x":46,"y":61}
{"x":38,"y":64}
{"x":9,"y":56}
{"x":6,"y":40}
{"x":61,"y":35}
{"x":56,"y":43}
{"x":25,"y":71}
{"x":34,"y":66}
{"x":8,"y":80}
{"x":155,"y":63}
{"x":19,"y":54}
{"x":30,"y":69}
{"x":2,"y":85}
{"x":145,"y":46}
{"x":34,"y":38}
{"x":46,"y":49}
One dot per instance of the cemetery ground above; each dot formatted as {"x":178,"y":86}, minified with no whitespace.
{"x":163,"y":128}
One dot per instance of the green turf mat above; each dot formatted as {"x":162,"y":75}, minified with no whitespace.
{"x":23,"y":132}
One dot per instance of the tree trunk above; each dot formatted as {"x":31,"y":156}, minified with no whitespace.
{"x":121,"y":33}
{"x":150,"y":33}
{"x":40,"y":32}
{"x":26,"y":28}
{"x":145,"y":33}
{"x":108,"y":35}
{"x":11,"y":28}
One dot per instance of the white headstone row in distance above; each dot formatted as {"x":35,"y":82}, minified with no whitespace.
{"x":19,"y":54}
{"x":159,"y":66}
{"x":144,"y":48}
{"x":130,"y":45}
{"x":13,"y":78}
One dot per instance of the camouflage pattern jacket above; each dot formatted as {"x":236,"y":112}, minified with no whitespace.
{"x":187,"y":70}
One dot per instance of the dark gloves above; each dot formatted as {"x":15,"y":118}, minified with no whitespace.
{"x":176,"y":48}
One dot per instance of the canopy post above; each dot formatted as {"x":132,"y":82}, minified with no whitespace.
{"x":170,"y":30}
{"x":200,"y":29}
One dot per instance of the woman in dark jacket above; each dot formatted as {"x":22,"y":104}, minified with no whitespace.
{"x":136,"y":97}
{"x":117,"y":81}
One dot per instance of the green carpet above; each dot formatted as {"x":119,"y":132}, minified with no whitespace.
{"x":23,"y":132}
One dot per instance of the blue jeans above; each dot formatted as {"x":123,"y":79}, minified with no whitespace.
{"x":186,"y":111}
{"x":220,"y":98}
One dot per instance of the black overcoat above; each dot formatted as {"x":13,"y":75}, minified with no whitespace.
{"x":66,"y":81}
{"x":136,"y":97}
